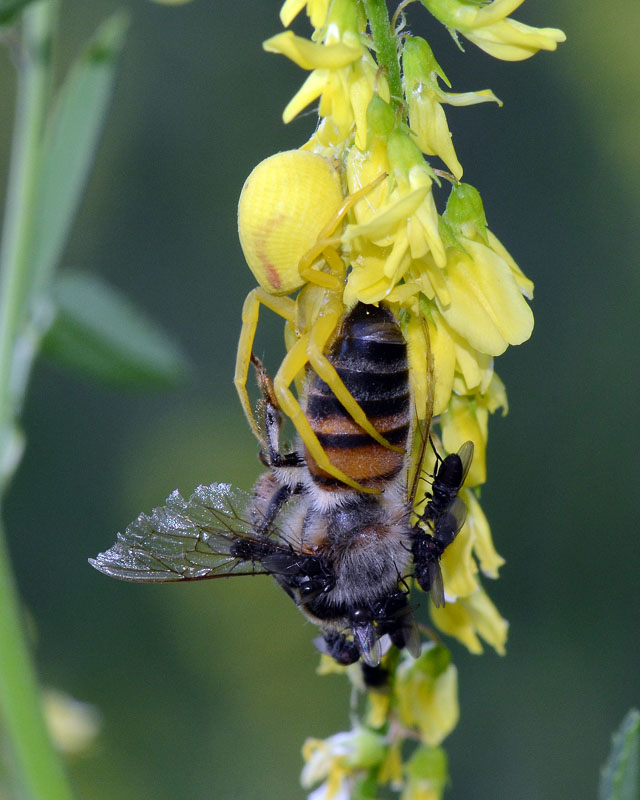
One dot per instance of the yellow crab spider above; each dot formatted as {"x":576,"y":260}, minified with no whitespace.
{"x":289,"y":210}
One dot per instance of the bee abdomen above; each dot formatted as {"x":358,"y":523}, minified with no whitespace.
{"x":370,"y":356}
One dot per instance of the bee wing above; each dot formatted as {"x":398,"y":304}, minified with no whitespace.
{"x":368,"y":643}
{"x":187,"y":540}
{"x":465,"y":453}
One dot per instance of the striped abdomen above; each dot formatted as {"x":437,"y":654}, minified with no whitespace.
{"x":370,"y":356}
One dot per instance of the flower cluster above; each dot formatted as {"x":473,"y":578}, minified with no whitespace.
{"x":421,"y":705}
{"x":459,"y":295}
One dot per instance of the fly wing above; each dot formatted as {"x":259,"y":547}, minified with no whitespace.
{"x":196,"y":539}
{"x":366,"y":637}
{"x":411,"y":634}
{"x":454,"y":517}
{"x":465,"y":453}
{"x":437,"y":586}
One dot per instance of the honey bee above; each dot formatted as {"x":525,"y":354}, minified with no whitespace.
{"x":342,"y":555}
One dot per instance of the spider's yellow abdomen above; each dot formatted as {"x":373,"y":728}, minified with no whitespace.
{"x":285,"y":203}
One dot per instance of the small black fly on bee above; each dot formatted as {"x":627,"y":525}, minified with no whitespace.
{"x":444,"y":515}
{"x":343,"y":556}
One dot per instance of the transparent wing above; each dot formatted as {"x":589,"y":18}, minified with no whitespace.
{"x":196,"y":539}
{"x":437,"y":586}
{"x":451,"y":521}
{"x":366,"y":637}
{"x":465,"y":453}
{"x":411,"y":634}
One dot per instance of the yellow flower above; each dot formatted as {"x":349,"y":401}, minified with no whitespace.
{"x":470,"y":618}
{"x":316,"y":11}
{"x":426,"y":694}
{"x":487,"y":27}
{"x":424,"y":96}
{"x":335,"y":760}
{"x":73,"y":725}
{"x":427,"y":774}
{"x":467,"y":418}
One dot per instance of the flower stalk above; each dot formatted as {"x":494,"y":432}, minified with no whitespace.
{"x":385,"y":45}
{"x":461,"y":300}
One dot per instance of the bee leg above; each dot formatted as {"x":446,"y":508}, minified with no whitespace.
{"x":336,"y":645}
{"x":267,"y":516}
{"x":284,"y":307}
{"x":271,"y":418}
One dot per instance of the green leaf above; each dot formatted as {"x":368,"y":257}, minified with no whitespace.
{"x":98,"y":333}
{"x":10,"y":8}
{"x":620,"y":777}
{"x":70,"y":142}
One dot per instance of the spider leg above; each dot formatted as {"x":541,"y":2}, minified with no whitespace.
{"x":284,"y":307}
{"x":293,"y":362}
{"x":326,"y":245}
{"x":318,"y":338}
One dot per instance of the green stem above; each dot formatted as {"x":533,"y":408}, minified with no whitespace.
{"x":36,"y":763}
{"x":31,"y":96}
{"x":386,"y":45}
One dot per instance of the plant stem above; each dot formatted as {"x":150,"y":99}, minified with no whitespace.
{"x":386,"y":45}
{"x":37,"y":765}
{"x":31,"y":94}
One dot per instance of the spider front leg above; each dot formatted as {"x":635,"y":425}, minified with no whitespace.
{"x":327,"y":244}
{"x":295,"y":360}
{"x":318,"y":338}
{"x":284,"y":307}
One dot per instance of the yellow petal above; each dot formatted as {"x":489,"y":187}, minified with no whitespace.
{"x":394,"y":263}
{"x":461,"y":423}
{"x":360,"y":93}
{"x":417,"y":353}
{"x":488,"y":622}
{"x":427,"y":703}
{"x":290,"y":10}
{"x":487,"y":307}
{"x":444,"y":363}
{"x":490,"y":560}
{"x":454,"y":620}
{"x":310,"y":90}
{"x":469,"y":98}
{"x":310,"y":55}
{"x":497,"y":10}
{"x":428,"y":121}
{"x":476,"y":368}
{"x":387,"y":219}
{"x":524,"y":284}
{"x":510,"y":40}
{"x":316,"y":11}
{"x":366,"y":283}
{"x":458,"y":567}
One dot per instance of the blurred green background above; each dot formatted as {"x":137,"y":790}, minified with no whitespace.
{"x":208,"y":690}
